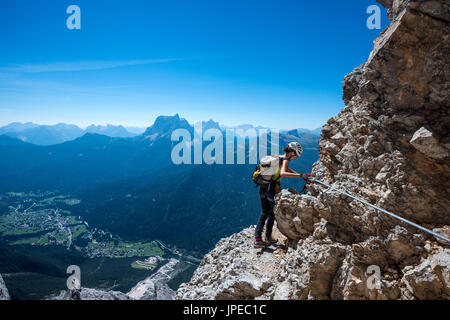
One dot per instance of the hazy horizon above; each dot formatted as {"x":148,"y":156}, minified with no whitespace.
{"x":84,"y":127}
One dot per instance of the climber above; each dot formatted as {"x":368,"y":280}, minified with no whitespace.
{"x":267,"y":192}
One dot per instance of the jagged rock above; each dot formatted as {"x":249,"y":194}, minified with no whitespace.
{"x":389,"y":146}
{"x":4,"y":294}
{"x":445,"y":231}
{"x":90,"y":294}
{"x":150,"y":289}
{"x":234,"y":269}
{"x":296,"y":214}
{"x":312,"y":269}
{"x":424,"y":141}
{"x":155,"y":286}
{"x":431,"y":278}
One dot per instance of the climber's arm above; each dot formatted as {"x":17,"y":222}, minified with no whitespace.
{"x":286,"y":172}
{"x":290,"y":170}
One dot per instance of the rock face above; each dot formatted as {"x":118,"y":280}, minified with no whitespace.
{"x":155,"y":287}
{"x":234,"y":270}
{"x":4,"y":294}
{"x":390,"y":146}
{"x":150,"y":289}
{"x":90,"y":294}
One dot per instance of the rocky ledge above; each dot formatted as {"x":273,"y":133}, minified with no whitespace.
{"x":235,"y":270}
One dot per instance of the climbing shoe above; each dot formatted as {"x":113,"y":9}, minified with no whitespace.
{"x":260,"y":243}
{"x":271,"y":240}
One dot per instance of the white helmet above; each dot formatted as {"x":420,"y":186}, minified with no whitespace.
{"x":296,"y":147}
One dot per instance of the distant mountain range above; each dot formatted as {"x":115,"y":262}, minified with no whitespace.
{"x":244,"y":127}
{"x":130,"y":186}
{"x":46,"y":135}
{"x":110,"y":130}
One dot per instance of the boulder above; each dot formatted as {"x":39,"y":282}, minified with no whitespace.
{"x":424,"y":141}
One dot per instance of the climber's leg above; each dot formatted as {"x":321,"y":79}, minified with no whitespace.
{"x":265,"y":204}
{"x":270,"y":220}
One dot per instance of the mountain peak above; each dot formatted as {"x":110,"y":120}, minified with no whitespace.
{"x":110,"y":130}
{"x":210,"y":124}
{"x":167,"y":124}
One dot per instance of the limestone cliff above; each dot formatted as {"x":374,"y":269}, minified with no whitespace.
{"x":390,"y":146}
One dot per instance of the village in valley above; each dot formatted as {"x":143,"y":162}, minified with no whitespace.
{"x":45,"y":218}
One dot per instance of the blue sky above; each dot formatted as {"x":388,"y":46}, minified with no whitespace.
{"x":273,"y":63}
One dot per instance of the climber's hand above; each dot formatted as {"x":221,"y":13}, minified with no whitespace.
{"x":307,"y":176}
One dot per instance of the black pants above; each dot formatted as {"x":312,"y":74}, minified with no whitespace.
{"x":267,"y":204}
